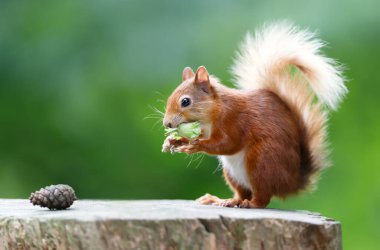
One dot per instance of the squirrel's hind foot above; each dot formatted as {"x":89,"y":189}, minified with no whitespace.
{"x":209,"y":199}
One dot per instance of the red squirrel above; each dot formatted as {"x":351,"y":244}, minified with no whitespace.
{"x":270,"y":132}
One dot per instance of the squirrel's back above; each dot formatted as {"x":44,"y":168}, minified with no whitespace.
{"x":286,"y":60}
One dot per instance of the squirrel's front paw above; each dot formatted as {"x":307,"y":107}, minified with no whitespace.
{"x":170,"y":144}
{"x":191,"y":148}
{"x":166,"y":147}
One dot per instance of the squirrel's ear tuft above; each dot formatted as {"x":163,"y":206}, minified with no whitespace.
{"x":202,"y":79}
{"x":187,"y":73}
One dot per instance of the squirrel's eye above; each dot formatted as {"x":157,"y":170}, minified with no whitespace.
{"x":185,"y":102}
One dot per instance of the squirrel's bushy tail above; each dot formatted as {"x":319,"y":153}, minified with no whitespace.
{"x":287,"y":60}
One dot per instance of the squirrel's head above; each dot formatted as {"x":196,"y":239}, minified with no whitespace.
{"x":192,"y":100}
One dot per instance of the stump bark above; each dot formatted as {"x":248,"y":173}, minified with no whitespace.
{"x":162,"y":224}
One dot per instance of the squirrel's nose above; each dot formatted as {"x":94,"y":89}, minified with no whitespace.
{"x":168,"y":121}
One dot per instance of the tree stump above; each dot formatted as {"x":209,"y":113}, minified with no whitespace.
{"x":162,"y":224}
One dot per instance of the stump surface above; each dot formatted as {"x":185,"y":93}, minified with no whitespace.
{"x":161,"y":224}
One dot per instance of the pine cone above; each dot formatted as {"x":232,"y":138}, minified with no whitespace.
{"x":54,"y":197}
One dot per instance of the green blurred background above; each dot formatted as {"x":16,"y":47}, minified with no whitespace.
{"x":77,"y":79}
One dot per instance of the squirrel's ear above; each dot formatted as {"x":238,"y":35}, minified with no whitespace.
{"x":202,"y":79}
{"x":187,"y":73}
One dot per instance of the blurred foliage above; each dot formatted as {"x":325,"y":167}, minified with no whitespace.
{"x":77,"y":79}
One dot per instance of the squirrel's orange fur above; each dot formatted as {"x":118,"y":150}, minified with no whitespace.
{"x":269,"y":134}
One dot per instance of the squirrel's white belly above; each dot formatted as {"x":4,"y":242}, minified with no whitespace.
{"x":235,"y":167}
